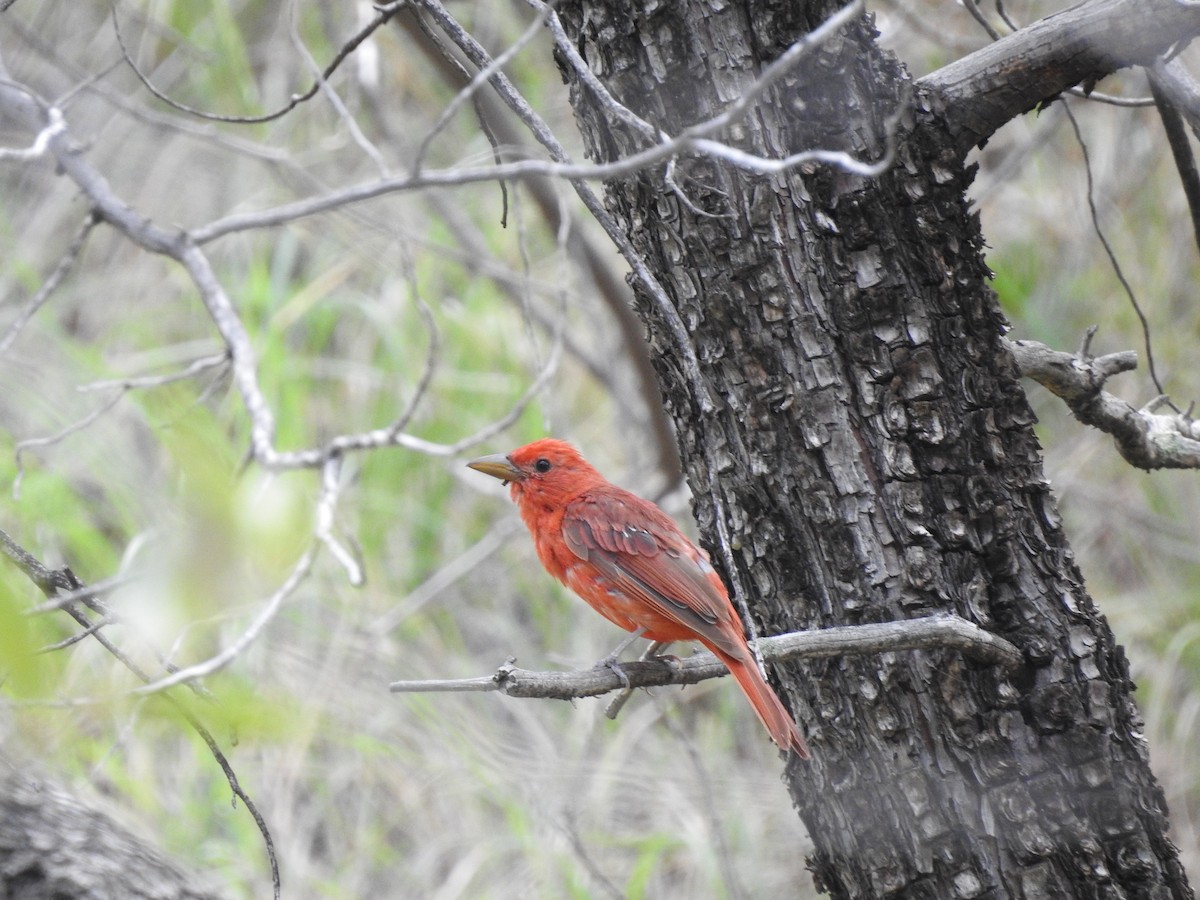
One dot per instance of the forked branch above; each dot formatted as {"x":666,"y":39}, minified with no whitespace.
{"x":1146,"y":438}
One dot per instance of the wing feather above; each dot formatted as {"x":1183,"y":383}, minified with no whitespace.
{"x":642,"y":552}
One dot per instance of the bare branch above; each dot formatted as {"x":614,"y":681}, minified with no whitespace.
{"x":1178,"y":85}
{"x":382,"y":14}
{"x":252,"y":632}
{"x":1145,"y":438}
{"x":327,"y":89}
{"x":528,"y":169}
{"x":191,"y":370}
{"x":981,"y":91}
{"x":94,"y":83}
{"x":977,"y":14}
{"x":1181,"y":148}
{"x":50,"y":285}
{"x":181,"y":247}
{"x":694,"y":140}
{"x":54,"y":127}
{"x":930,"y":633}
{"x":476,"y":82}
{"x":570,"y":52}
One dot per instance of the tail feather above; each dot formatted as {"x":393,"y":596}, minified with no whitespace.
{"x":771,"y":711}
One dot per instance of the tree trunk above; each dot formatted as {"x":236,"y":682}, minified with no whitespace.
{"x":871,"y":457}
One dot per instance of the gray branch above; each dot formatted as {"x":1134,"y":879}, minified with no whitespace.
{"x":944,"y":632}
{"x":1146,"y":438}
{"x":981,"y":91}
{"x":1181,"y":89}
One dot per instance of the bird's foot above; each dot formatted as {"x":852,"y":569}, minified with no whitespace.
{"x":613,"y":664}
{"x":618,"y":702}
{"x":667,"y":659}
{"x":612,"y":660}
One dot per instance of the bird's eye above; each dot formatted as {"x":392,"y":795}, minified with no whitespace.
{"x":542,"y":465}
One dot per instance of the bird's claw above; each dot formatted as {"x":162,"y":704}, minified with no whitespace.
{"x":667,"y":659}
{"x":614,"y":665}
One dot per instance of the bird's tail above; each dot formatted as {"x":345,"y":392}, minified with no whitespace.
{"x":778,"y":721}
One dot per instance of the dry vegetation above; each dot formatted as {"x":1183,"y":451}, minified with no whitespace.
{"x":369,"y":794}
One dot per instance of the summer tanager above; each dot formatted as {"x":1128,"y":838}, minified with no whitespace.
{"x":632,"y":564}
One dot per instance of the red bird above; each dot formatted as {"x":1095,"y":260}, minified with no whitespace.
{"x":632,"y":564}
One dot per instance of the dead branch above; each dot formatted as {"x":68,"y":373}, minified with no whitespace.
{"x":1146,"y":438}
{"x":1170,"y":95}
{"x":383,"y":13}
{"x":696,"y":139}
{"x":1178,"y":85}
{"x":981,"y":91}
{"x":930,"y":633}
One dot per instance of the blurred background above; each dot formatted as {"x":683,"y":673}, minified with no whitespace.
{"x":448,"y":306}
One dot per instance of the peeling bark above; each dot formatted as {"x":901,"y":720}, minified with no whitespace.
{"x":875,"y":457}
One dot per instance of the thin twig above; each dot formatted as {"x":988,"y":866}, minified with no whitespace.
{"x":119,"y":386}
{"x":348,"y":120}
{"x":232,"y":651}
{"x":65,"y":263}
{"x":382,"y":14}
{"x":474,"y":84}
{"x":51,"y":440}
{"x":449,"y":573}
{"x":54,"y":127}
{"x":133,"y":382}
{"x":326,"y":506}
{"x":1108,"y":250}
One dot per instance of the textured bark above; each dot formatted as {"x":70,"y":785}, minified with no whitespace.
{"x":53,"y":847}
{"x":875,"y":458}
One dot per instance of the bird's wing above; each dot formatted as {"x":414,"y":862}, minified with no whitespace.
{"x":643,"y":553}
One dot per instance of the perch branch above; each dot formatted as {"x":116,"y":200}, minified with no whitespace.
{"x":932,"y":633}
{"x":1147,"y":439}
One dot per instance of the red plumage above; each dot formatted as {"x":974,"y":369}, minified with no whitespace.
{"x":632,"y":564}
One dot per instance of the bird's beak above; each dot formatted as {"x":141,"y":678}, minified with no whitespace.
{"x":498,"y":466}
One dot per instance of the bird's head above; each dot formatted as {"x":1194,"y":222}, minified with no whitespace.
{"x":550,"y":469}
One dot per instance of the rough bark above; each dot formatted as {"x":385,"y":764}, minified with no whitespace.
{"x":874,"y":458}
{"x":52,"y":846}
